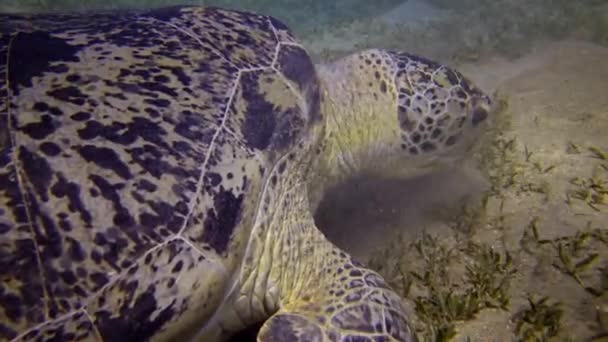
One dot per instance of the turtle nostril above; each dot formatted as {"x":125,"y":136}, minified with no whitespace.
{"x":479,"y":114}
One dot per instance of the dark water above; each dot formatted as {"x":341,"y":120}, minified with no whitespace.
{"x":300,"y":15}
{"x":457,"y":26}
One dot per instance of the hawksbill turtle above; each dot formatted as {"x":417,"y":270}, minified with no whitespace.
{"x":155,"y":168}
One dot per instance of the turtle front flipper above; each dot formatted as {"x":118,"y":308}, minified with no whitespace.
{"x":290,"y":327}
{"x":356,"y":306}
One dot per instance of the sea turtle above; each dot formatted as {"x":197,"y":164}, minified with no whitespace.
{"x":155,"y":167}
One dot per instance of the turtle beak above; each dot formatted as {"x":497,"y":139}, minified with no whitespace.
{"x":482,"y":106}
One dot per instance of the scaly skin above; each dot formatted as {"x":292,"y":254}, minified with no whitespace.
{"x":313,"y":290}
{"x":320,"y":293}
{"x":374,"y":103}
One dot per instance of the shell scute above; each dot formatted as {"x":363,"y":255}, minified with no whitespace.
{"x":132,"y":159}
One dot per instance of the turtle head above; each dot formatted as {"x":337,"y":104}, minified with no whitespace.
{"x":384,"y":106}
{"x":438,"y":109}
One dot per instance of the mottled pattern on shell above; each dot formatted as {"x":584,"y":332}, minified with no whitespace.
{"x":133,"y":147}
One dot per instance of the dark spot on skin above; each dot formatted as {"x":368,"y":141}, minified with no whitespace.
{"x":31,"y":54}
{"x":96,"y":256}
{"x":55,"y":111}
{"x":68,"y":277}
{"x":157,"y":87}
{"x":355,"y":273}
{"x":178,"y":267}
{"x":80,"y":116}
{"x":105,"y":158}
{"x":132,"y":320}
{"x":260,"y":117}
{"x":64,"y":188}
{"x":213,"y":178}
{"x":72,"y":78}
{"x":436,"y":132}
{"x":75,"y":250}
{"x":37,"y":170}
{"x":161,"y":78}
{"x":416,"y":138}
{"x":100,"y":279}
{"x":146,"y":185}
{"x":181,"y":75}
{"x":222,"y":220}
{"x":41,"y":107}
{"x":160,"y":103}
{"x":100,"y":239}
{"x":50,"y":149}
{"x":461,"y":94}
{"x":123,"y":219}
{"x":69,"y":94}
{"x":148,"y":220}
{"x":282,"y":167}
{"x":383,"y":87}
{"x":39,"y":130}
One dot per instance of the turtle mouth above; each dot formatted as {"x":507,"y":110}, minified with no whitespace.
{"x":479,"y":115}
{"x":482,"y":107}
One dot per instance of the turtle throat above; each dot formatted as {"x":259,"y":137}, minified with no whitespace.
{"x":361,"y":128}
